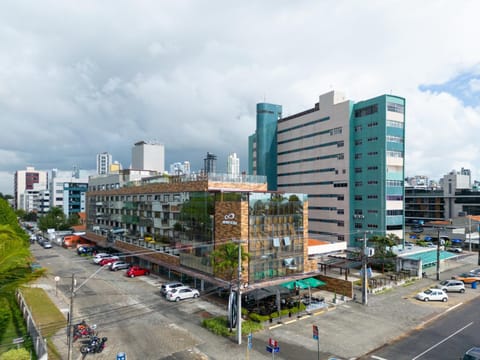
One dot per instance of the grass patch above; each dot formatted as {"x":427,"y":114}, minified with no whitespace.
{"x":219,"y":326}
{"x":46,"y":315}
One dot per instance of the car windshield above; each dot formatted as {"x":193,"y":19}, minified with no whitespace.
{"x":428,"y":291}
{"x":444,"y":282}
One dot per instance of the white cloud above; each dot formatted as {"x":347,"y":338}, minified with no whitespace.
{"x":86,"y":77}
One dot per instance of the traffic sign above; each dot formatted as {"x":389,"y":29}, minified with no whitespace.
{"x":272,"y":349}
{"x":18,"y":340}
{"x":272,"y":343}
{"x":249,"y":341}
{"x":315,"y":332}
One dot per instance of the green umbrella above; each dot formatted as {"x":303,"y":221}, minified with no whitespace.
{"x":293,"y":284}
{"x":312,"y":282}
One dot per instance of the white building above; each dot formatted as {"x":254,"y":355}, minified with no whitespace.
{"x":179,"y":168}
{"x":25,"y":180}
{"x":67,"y":190}
{"x":233,"y":165}
{"x":148,"y":156}
{"x":104,"y":160}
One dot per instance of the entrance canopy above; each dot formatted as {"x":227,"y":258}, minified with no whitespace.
{"x":303,"y":284}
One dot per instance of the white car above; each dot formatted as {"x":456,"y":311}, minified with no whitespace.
{"x":432,"y":295}
{"x":451,"y":286}
{"x":99,"y":257}
{"x":182,"y":292}
{"x":166,"y":288}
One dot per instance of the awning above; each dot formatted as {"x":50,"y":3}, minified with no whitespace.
{"x":259,"y":294}
{"x":313,"y":282}
{"x":456,"y":241}
{"x":428,"y":238}
{"x":303,"y":284}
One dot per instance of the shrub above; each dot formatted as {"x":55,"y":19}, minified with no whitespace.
{"x":258,"y":318}
{"x":217,"y":325}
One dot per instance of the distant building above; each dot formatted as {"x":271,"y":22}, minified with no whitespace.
{"x":67,"y":190}
{"x":210,"y":164}
{"x":25,"y":180}
{"x":233,"y":165}
{"x":104,"y":161}
{"x":148,"y":156}
{"x":115,"y":167}
{"x":179,"y":168}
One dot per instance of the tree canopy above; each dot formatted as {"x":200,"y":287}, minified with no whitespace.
{"x":225,"y":259}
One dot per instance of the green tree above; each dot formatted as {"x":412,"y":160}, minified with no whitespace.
{"x":54,"y":219}
{"x":16,"y":354}
{"x":383,"y":248}
{"x":225,"y":259}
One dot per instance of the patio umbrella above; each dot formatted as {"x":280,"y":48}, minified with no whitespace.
{"x":312,"y":282}
{"x":291,"y":285}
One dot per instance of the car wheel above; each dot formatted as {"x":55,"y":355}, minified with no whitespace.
{"x":195,"y":296}
{"x":132,"y":276}
{"x":444,"y":299}
{"x":426,"y":299}
{"x":462,"y":291}
{"x":177,"y":299}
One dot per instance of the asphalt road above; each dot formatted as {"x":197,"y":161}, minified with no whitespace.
{"x":445,"y":339}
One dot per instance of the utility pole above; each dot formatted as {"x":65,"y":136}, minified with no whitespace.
{"x":239,"y":300}
{"x":364,"y":269}
{"x":70,"y":317}
{"x":438,"y":253}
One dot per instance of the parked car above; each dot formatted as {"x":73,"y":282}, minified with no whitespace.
{"x":472,"y":354}
{"x":97,"y":258}
{"x":47,"y":244}
{"x":137,"y":271}
{"x":455,"y":249}
{"x":166,"y":288}
{"x":467,"y":278}
{"x":475,"y":271}
{"x":182,"y":292}
{"x":451,"y":286}
{"x":119,"y":265}
{"x":108,"y":260}
{"x":432,"y":295}
{"x":86,"y":250}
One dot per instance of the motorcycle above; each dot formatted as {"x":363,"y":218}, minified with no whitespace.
{"x":82,"y":330}
{"x":95,"y":346}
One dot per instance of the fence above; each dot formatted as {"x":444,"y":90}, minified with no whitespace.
{"x":39,"y":343}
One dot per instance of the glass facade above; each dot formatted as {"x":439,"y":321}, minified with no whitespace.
{"x":276,"y":237}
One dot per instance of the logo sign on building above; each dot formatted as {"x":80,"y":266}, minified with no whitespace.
{"x":229,"y":219}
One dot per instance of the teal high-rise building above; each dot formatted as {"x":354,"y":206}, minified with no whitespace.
{"x":349,"y":158}
{"x":262,"y":146}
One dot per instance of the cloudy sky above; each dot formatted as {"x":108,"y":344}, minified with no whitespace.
{"x":82,"y":77}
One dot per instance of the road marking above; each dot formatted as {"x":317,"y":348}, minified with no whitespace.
{"x":377,"y":357}
{"x":454,"y":307}
{"x":441,"y":342}
{"x":291,"y":321}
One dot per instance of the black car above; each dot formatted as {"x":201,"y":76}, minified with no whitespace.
{"x":87,"y":250}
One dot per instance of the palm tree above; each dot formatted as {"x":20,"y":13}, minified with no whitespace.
{"x":225,"y":259}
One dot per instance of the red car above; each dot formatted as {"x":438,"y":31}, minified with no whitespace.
{"x":137,"y":271}
{"x":108,"y":260}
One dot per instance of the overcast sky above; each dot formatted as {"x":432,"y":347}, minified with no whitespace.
{"x":82,"y":77}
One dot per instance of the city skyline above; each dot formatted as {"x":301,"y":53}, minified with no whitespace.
{"x":64,"y":99}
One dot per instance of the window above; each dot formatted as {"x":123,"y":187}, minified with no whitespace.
{"x":395,"y":107}
{"x":340,"y":197}
{"x":372,"y":211}
{"x":368,"y":110}
{"x":340,"y":156}
{"x":358,"y":156}
{"x":358,"y":183}
{"x":395,"y":154}
{"x":372,"y":168}
{"x":340,"y":211}
{"x":394,"y":183}
{"x":336,"y":131}
{"x":372,"y":197}
{"x":342,"y":184}
{"x":374,"y":138}
{"x":358,"y":170}
{"x":373,"y":124}
{"x":394,"y":212}
{"x":372,"y":153}
{"x":358,"y":128}
{"x":340,"y":143}
{"x":395,"y":197}
{"x":395,"y":124}
{"x":358,"y":197}
{"x":341,"y":223}
{"x":395,"y":139}
{"x":372,"y":182}
{"x":358,"y":142}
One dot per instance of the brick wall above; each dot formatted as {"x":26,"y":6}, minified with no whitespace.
{"x":336,"y":285}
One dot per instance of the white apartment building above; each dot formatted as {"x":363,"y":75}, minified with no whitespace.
{"x":148,"y":156}
{"x":104,"y":161}
{"x":25,"y":180}
{"x":233,"y":165}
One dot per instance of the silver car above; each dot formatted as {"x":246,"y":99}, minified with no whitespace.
{"x":451,"y":286}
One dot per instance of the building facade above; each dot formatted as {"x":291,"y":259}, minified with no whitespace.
{"x":349,"y":158}
{"x":233,"y":165}
{"x":25,"y":180}
{"x":104,"y":161}
{"x":262,"y":145}
{"x":148,"y":156}
{"x":183,"y":220}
